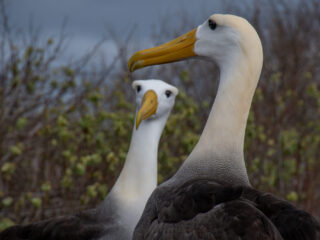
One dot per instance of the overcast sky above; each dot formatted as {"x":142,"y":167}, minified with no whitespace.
{"x":87,"y":20}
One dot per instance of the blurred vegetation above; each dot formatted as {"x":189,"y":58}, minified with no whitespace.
{"x":65,"y":129}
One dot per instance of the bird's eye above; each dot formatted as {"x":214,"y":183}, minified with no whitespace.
{"x":212,"y":24}
{"x":138,"y":88}
{"x":168,"y":93}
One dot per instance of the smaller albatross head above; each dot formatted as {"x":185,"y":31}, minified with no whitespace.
{"x":220,"y":38}
{"x":154,"y":99}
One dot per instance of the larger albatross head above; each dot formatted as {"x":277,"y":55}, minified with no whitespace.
{"x":154,"y":98}
{"x":221,"y":38}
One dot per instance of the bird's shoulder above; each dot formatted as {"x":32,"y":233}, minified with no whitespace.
{"x":202,"y":209}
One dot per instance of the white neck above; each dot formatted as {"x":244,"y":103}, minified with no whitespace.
{"x":219,"y":153}
{"x":138,"y":177}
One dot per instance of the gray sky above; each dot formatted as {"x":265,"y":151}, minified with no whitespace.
{"x":87,"y":20}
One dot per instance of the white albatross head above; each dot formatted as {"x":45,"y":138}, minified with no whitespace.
{"x":154,"y":98}
{"x":221,"y":38}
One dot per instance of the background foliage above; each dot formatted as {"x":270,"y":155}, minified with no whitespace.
{"x":65,"y":129}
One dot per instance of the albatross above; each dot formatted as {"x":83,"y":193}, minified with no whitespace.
{"x":118,"y":214}
{"x":210,"y":196}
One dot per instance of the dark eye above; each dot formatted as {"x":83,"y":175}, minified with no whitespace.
{"x":212,"y":24}
{"x":138,"y":88}
{"x":168,"y":93}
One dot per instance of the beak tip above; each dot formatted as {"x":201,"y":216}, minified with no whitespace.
{"x":130,"y":65}
{"x":148,"y":108}
{"x":135,"y":64}
{"x":138,"y":120}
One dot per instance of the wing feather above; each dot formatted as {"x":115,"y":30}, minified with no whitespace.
{"x":204,"y":209}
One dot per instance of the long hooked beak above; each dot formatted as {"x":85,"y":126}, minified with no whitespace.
{"x":175,"y":50}
{"x":148,"y":107}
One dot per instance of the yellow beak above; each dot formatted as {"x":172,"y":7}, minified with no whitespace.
{"x":148,"y":107}
{"x":175,"y":50}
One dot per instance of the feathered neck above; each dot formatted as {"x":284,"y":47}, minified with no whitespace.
{"x":138,"y":177}
{"x":218,"y":154}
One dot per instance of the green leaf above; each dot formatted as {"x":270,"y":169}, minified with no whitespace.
{"x":62,"y":121}
{"x":7,"y":201}
{"x":21,"y":122}
{"x":36,"y":202}
{"x":5,"y":223}
{"x":46,"y":187}
{"x":28,"y":52}
{"x":292,"y":196}
{"x":80,"y":169}
{"x":16,"y":149}
{"x":103,"y":190}
{"x":92,"y":191}
{"x":50,"y":41}
{"x":8,"y":168}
